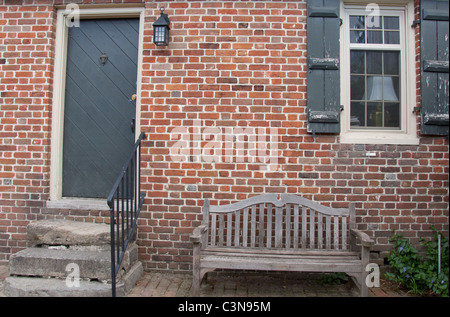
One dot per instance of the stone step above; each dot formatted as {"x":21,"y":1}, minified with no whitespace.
{"x":68,"y":233}
{"x":47,"y":262}
{"x":54,"y":287}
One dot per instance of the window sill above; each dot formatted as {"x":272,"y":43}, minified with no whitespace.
{"x":78,"y":203}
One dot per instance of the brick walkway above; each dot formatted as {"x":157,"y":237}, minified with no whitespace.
{"x":224,"y":284}
{"x":239,"y":285}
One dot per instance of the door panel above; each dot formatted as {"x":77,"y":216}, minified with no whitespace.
{"x":98,"y":111}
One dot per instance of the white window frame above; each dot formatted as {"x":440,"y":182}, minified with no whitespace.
{"x":408,"y":132}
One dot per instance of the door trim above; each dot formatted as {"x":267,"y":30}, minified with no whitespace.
{"x":59,"y":79}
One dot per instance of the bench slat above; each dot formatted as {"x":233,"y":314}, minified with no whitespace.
{"x":221,"y":228}
{"x":229,"y":228}
{"x":253,"y":232}
{"x":328,"y":232}
{"x":295,"y":226}
{"x":245,"y":228}
{"x":278,"y":226}
{"x":336,"y":233}
{"x":265,"y":251}
{"x":284,"y":199}
{"x":213,"y":229}
{"x":344,"y":233}
{"x":237,"y":229}
{"x":261,"y":225}
{"x":319,"y":231}
{"x":269,"y":226}
{"x":304,"y":223}
{"x":312,"y":216}
{"x":288,"y":226}
{"x":291,"y":263}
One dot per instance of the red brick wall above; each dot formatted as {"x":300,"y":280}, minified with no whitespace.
{"x":230,"y":64}
{"x":26,"y":65}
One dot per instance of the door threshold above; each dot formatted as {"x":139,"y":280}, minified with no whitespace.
{"x":79,"y":203}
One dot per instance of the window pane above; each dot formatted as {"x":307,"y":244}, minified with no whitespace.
{"x":391,"y":63}
{"x":374,"y":114}
{"x":391,"y":23}
{"x":357,"y":87}
{"x":392,"y":115}
{"x":357,"y":36}
{"x":374,"y":22}
{"x":391,"y":89}
{"x":391,"y":37}
{"x":374,"y":88}
{"x":374,"y":62}
{"x":357,"y":22}
{"x":358,"y":114}
{"x":374,"y":37}
{"x":357,"y":61}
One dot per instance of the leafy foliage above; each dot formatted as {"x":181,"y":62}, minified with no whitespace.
{"x":415,"y":272}
{"x":333,"y":278}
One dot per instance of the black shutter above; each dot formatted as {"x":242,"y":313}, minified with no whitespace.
{"x":434,"y":74}
{"x":323,"y":75}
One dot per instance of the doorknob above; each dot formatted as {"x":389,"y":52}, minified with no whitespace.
{"x":133,"y":97}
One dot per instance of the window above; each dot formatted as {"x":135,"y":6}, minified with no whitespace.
{"x":378,"y":76}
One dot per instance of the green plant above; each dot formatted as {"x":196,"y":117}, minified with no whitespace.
{"x":415,"y":272}
{"x":332,"y":278}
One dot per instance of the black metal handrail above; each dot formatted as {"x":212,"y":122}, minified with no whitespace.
{"x":125,"y":202}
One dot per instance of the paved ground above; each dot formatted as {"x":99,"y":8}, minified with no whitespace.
{"x":224,"y":284}
{"x":3,"y":275}
{"x":239,"y":285}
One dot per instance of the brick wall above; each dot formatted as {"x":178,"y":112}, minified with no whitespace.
{"x":230,"y":65}
{"x":26,"y":64}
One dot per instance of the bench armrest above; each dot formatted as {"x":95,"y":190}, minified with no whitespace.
{"x":199,"y":232}
{"x":365,"y":239}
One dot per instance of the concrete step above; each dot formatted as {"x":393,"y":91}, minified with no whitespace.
{"x":63,"y":249}
{"x":47,"y":262}
{"x":53,"y":263}
{"x":19,"y":286}
{"x":68,"y":233}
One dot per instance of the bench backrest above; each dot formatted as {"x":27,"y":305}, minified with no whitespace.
{"x":291,"y":222}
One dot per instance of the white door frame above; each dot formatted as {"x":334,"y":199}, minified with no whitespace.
{"x":59,"y":85}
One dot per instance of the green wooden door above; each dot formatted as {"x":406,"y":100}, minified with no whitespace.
{"x":98,"y":112}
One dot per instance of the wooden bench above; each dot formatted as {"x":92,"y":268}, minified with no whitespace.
{"x":287,"y":234}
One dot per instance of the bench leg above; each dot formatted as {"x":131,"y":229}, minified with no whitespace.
{"x":196,"y":277}
{"x":363,"y":289}
{"x":365,"y":255}
{"x":359,"y":280}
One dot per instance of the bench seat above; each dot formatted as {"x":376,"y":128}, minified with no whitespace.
{"x":268,"y":260}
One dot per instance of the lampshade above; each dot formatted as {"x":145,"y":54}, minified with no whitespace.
{"x":380,"y":88}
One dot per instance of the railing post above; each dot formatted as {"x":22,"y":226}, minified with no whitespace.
{"x":113,"y":257}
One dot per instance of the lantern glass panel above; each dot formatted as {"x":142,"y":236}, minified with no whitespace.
{"x":160,"y":35}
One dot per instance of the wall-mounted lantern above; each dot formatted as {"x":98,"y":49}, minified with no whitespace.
{"x":161,"y":30}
